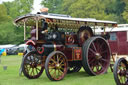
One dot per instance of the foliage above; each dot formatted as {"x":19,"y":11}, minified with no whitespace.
{"x":99,"y":9}
{"x":125,"y":13}
{"x":54,"y":6}
{"x":8,"y":34}
{"x":9,"y":11}
{"x":3,"y":14}
{"x":18,"y":7}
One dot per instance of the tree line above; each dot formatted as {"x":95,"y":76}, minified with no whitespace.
{"x":115,"y":10}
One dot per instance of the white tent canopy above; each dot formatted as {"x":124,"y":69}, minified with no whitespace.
{"x":7,"y":46}
{"x":120,"y":27}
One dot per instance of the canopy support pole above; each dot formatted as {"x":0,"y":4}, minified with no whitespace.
{"x":104,"y":30}
{"x":24,"y":30}
{"x":37,"y":28}
{"x":94,"y":29}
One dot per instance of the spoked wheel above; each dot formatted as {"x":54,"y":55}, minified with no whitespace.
{"x":84,"y":33}
{"x":32,"y":65}
{"x":96,"y":55}
{"x":74,"y":69}
{"x":29,"y":48}
{"x":120,"y":72}
{"x":56,"y":66}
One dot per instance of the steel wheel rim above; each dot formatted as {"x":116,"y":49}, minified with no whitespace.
{"x":121,"y":72}
{"x":96,"y":62}
{"x":98,"y":56}
{"x":32,"y":66}
{"x":57,"y":68}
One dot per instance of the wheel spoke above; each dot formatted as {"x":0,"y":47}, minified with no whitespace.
{"x":61,"y":65}
{"x":100,"y":47}
{"x":104,"y":60}
{"x":51,"y":70}
{"x":101,"y":65}
{"x":61,"y":61}
{"x":92,"y":67}
{"x":51,"y":67}
{"x":92,"y":51}
{"x":54,"y":73}
{"x":57,"y":59}
{"x":53,"y":61}
{"x":91,"y":61}
{"x":60,"y":71}
{"x":31,"y":72}
{"x":36,"y":71}
{"x":105,"y":51}
{"x":94,"y":47}
{"x":28,"y":68}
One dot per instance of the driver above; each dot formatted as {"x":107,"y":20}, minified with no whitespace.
{"x":44,"y":26}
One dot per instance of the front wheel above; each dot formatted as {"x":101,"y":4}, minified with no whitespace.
{"x":120,"y":72}
{"x":56,"y":66}
{"x":32,"y":65}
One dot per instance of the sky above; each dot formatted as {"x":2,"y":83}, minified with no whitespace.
{"x":36,"y":5}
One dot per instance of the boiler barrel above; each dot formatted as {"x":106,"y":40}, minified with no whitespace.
{"x":48,"y":48}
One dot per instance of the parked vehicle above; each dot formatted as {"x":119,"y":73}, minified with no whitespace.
{"x":64,"y":44}
{"x":12,"y":50}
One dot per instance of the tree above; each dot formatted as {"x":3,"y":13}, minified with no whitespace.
{"x":9,"y":11}
{"x":3,"y":14}
{"x":86,"y":9}
{"x":18,"y":7}
{"x":53,"y":5}
{"x":125,"y":13}
{"x":115,"y":7}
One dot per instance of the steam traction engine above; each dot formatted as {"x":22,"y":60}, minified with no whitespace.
{"x":61,"y":44}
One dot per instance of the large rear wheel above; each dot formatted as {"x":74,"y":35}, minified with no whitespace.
{"x":32,"y":65}
{"x":56,"y":66}
{"x":120,"y":72}
{"x":96,"y":55}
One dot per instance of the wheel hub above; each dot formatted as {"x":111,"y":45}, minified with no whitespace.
{"x":122,"y":72}
{"x":98,"y":56}
{"x":57,"y":66}
{"x":33,"y":65}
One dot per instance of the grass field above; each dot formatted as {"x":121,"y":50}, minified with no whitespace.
{"x":11,"y":76}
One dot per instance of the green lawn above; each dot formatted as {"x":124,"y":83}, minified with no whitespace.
{"x":11,"y":76}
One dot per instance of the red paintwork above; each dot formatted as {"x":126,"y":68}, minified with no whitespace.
{"x":120,"y":46}
{"x":73,"y":53}
{"x":69,"y":54}
{"x":41,"y":51}
{"x":77,"y":53}
{"x":30,"y":42}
